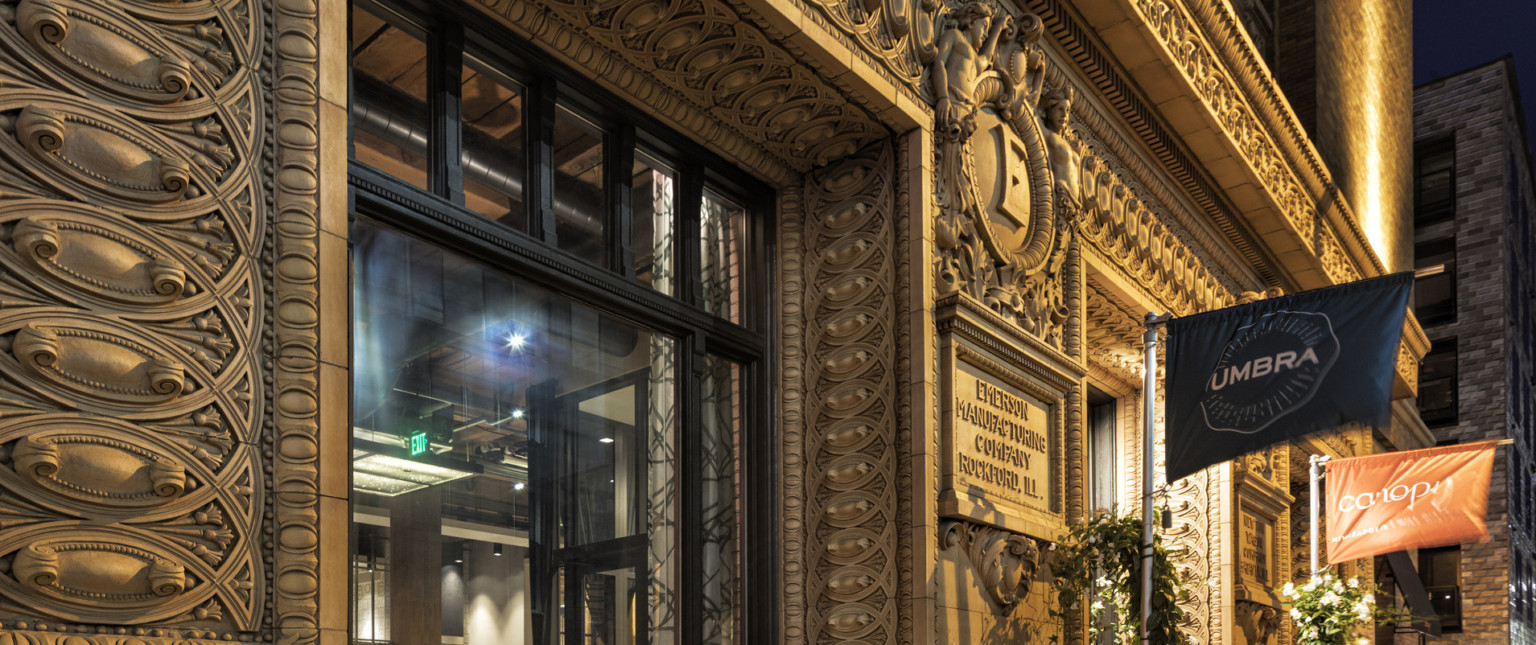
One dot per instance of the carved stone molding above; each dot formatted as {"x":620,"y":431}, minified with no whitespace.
{"x":1149,"y":252}
{"x":152,"y":264}
{"x":698,"y":65}
{"x":1004,"y":562}
{"x":1114,"y":339}
{"x":840,"y":409}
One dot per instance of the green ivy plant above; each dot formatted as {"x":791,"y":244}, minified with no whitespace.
{"x":1329,"y":610}
{"x":1099,"y":561}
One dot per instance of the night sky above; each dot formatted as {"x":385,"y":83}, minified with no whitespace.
{"x":1451,"y":36}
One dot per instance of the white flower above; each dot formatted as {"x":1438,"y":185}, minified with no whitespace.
{"x":1290,"y":588}
{"x":1329,"y":598}
{"x":1369,"y":598}
{"x":1295,"y":614}
{"x":1354,"y":583}
{"x":1098,"y":605}
{"x":1337,"y":586}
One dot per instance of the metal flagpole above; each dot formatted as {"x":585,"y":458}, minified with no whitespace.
{"x":1149,"y":401}
{"x":1316,"y":470}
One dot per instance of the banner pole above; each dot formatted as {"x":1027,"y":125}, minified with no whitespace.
{"x":1148,"y":403}
{"x":1316,"y":470}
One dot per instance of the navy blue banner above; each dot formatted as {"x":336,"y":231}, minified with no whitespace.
{"x":1245,"y":377}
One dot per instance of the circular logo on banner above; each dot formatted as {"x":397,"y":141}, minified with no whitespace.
{"x":1268,"y":370}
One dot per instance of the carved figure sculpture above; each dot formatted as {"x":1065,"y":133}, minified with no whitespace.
{"x":997,"y":231}
{"x":1057,"y":105}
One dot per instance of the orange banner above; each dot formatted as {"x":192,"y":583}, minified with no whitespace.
{"x":1407,"y":500}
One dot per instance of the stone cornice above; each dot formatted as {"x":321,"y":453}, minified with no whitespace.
{"x":1224,"y":29}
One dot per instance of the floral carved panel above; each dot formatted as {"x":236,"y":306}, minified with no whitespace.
{"x":139,"y":441}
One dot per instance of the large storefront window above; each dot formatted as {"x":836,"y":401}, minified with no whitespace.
{"x":549,"y":399}
{"x":501,"y":432}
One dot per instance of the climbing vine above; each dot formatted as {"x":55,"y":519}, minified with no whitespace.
{"x":1099,"y":562}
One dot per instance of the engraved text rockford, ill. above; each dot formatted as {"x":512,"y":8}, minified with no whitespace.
{"x":1000,"y":440}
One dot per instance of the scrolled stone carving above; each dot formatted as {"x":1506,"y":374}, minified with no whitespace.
{"x":42,"y":19}
{"x":93,"y":258}
{"x":134,"y":488}
{"x":99,"y":364}
{"x":1000,"y":237}
{"x":1004,"y":561}
{"x":36,"y":566}
{"x":1259,"y":622}
{"x":93,"y":463}
{"x":83,"y":572}
{"x":41,"y":129}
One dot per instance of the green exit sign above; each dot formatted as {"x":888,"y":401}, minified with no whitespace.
{"x":418,"y":443}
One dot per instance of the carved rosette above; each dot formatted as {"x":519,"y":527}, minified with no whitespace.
{"x":133,"y":487}
{"x":1004,"y":562}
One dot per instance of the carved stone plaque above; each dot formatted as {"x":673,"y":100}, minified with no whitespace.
{"x":1000,"y":439}
{"x":1003,"y":406}
{"x":1255,"y":544}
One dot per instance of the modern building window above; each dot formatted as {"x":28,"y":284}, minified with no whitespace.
{"x":551,"y":405}
{"x":1437,"y":384}
{"x":1434,"y":295}
{"x":1434,"y":181}
{"x":1440,"y":569}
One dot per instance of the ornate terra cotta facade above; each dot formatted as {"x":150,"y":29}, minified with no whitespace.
{"x":985,"y":193}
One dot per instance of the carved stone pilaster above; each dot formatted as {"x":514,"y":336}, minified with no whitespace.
{"x":840,"y":504}
{"x":152,"y":462}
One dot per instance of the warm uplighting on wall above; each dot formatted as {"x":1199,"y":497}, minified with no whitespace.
{"x":1374,"y":202}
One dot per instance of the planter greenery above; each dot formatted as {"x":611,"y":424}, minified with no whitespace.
{"x":1330,"y":611}
{"x":1099,"y":562}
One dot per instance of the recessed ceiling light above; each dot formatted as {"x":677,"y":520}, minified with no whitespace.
{"x":516,"y":340}
{"x":517,"y":413}
{"x":606,"y":440}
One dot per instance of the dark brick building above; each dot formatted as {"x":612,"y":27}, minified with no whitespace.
{"x":1473,"y":193}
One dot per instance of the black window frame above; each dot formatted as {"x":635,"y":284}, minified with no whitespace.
{"x":1452,"y":381}
{"x":1439,"y":247}
{"x":438,"y":216}
{"x":1428,"y":213}
{"x":1443,"y":587}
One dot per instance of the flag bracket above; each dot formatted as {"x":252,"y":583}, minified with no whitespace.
{"x":1316,"y":464}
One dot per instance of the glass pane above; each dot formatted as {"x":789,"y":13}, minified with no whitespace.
{"x":580,"y":201}
{"x":523,"y":444}
{"x":722,"y":421}
{"x":494,"y":154}
{"x":720,"y":248}
{"x":653,"y":189}
{"x":389,"y":98}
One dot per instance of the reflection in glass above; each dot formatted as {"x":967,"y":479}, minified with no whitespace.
{"x":485,"y":408}
{"x":389,"y":98}
{"x":720,"y":392}
{"x":652,"y":193}
{"x":494,"y":154}
{"x":721,"y":223}
{"x":579,"y":196}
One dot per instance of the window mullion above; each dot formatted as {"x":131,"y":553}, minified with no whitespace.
{"x":619,"y":184}
{"x":541,"y":160}
{"x":690,"y":595}
{"x":444,"y":80}
{"x":689,"y":208}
